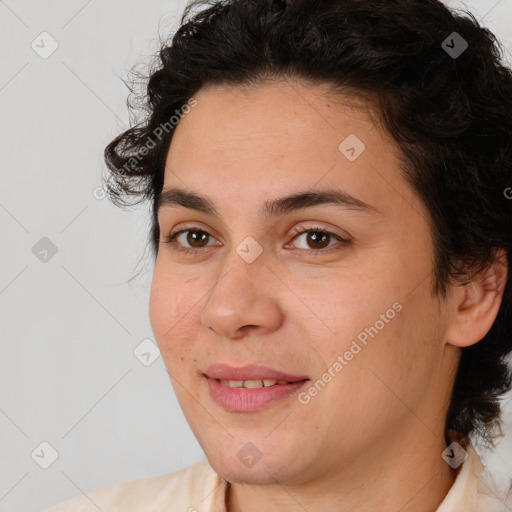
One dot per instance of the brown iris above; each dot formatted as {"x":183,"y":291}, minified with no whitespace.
{"x":318,"y":239}
{"x":197,"y":236}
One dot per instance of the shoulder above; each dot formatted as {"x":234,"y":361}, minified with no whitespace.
{"x":182,"y":488}
{"x":475,"y":489}
{"x":494,"y":493}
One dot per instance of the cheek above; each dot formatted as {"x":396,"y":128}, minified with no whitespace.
{"x":161,"y":311}
{"x":397,"y":365}
{"x":346,"y":307}
{"x":172,"y":310}
{"x":375,"y":325}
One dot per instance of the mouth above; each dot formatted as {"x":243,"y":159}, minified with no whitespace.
{"x":253,"y":383}
{"x":250,"y":388}
{"x":250,"y":373}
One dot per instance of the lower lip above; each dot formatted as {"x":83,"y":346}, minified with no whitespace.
{"x":250,"y":399}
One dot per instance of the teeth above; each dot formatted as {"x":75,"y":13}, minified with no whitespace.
{"x":232,"y":383}
{"x":251,"y":384}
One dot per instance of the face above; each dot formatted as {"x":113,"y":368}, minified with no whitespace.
{"x":333,"y":294}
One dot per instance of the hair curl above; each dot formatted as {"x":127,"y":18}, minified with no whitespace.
{"x":451,"y":117}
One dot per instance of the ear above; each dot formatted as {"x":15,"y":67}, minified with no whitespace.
{"x":476,"y":304}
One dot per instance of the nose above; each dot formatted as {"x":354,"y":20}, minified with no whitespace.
{"x":244,"y":300}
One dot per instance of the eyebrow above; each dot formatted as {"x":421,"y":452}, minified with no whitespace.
{"x":271,"y":208}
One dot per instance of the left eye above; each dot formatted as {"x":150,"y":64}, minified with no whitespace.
{"x":317,"y":238}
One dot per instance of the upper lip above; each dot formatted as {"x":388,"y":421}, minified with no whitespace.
{"x":249,"y":372}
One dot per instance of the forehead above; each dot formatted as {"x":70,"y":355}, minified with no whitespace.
{"x":273,"y":139}
{"x":284,"y":117}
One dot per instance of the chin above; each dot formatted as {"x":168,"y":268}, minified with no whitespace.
{"x":248,"y":465}
{"x":261,"y":473}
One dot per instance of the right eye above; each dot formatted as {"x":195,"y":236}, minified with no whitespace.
{"x":194,"y":236}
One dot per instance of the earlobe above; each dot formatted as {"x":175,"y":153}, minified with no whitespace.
{"x":477,"y":304}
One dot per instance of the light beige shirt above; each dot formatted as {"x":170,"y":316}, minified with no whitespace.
{"x":198,"y":488}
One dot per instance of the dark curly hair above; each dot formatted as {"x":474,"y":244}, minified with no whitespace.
{"x":451,"y":115}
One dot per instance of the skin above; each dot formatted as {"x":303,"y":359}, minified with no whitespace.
{"x":372,"y":438}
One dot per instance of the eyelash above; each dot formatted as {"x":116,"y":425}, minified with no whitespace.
{"x":170,"y":239}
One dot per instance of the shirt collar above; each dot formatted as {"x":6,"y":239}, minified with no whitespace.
{"x":462,"y":494}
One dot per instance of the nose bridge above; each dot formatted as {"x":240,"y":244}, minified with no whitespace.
{"x":239,"y":279}
{"x":241,"y":296}
{"x":244,"y":266}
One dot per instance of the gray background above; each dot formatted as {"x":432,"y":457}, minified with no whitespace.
{"x":70,"y":324}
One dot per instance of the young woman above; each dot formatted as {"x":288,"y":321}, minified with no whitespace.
{"x":330,"y":183}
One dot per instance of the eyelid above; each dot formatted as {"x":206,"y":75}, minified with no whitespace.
{"x":303,"y":228}
{"x":296,"y":231}
{"x":191,"y":227}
